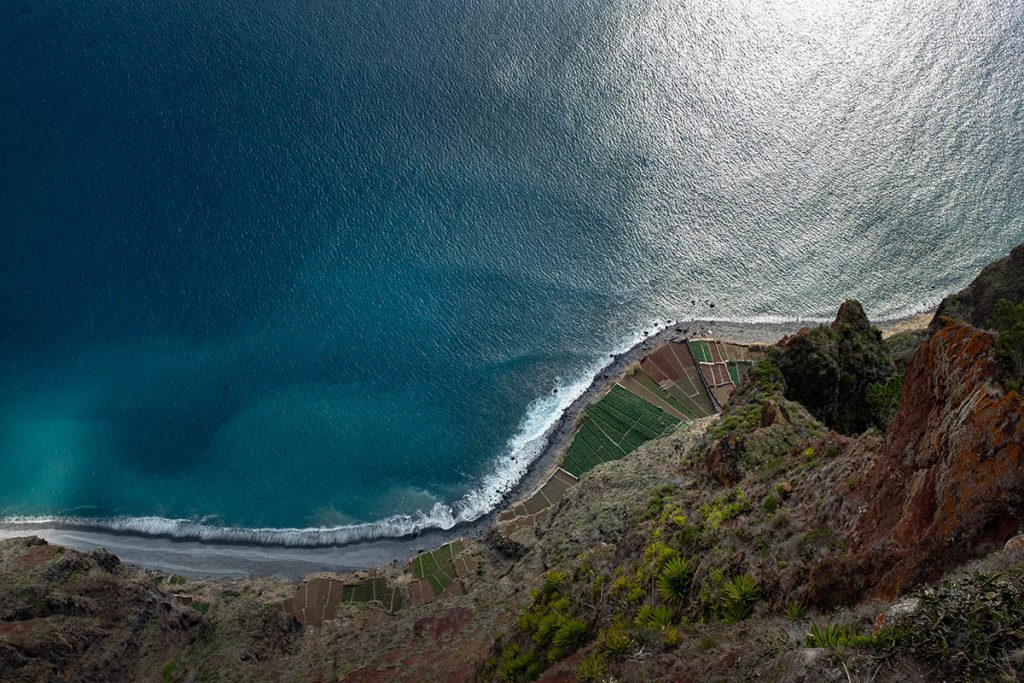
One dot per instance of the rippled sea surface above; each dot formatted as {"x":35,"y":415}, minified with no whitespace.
{"x":275,"y":264}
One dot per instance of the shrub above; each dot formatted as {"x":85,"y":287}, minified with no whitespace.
{"x":592,"y":668}
{"x":884,"y":399}
{"x":671,"y":636}
{"x":657,"y":555}
{"x":1008,"y":319}
{"x":739,"y":595}
{"x":547,"y":626}
{"x":517,"y":664}
{"x":967,"y":626}
{"x":675,"y":580}
{"x":723,"y":509}
{"x":552,"y":585}
{"x":1006,"y":315}
{"x":768,"y":377}
{"x":1010,"y":348}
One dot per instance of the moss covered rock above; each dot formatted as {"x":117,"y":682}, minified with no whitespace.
{"x":828,"y":369}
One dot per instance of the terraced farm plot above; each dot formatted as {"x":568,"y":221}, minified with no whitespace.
{"x":672,"y":367}
{"x":737,"y":369}
{"x":648,"y":390}
{"x":614,"y":426}
{"x":524,"y":513}
{"x":318,"y":600}
{"x":701,"y":351}
{"x":437,"y":566}
{"x":372,"y":590}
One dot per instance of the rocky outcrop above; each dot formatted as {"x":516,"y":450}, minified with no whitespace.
{"x":66,"y":615}
{"x":949,"y":481}
{"x":1003,"y":279}
{"x":828,"y":369}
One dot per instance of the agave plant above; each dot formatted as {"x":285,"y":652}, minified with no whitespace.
{"x":615,"y":642}
{"x":739,"y":596}
{"x":592,"y":668}
{"x":654,"y":617}
{"x":795,"y":610}
{"x":830,"y":635}
{"x":674,"y":583}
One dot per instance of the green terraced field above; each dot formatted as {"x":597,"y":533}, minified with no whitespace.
{"x":701,"y":351}
{"x":372,"y":590}
{"x":736,"y":370}
{"x":653,"y":386}
{"x":437,"y":566}
{"x":613,"y":427}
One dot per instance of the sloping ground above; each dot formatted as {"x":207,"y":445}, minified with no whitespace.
{"x":438,"y":573}
{"x":68,"y":616}
{"x":524,"y":513}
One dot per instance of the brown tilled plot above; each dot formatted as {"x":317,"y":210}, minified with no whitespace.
{"x":315,"y":601}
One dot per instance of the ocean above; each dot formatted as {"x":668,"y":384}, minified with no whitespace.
{"x":314,"y":272}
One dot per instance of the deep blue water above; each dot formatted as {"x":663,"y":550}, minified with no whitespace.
{"x":290,"y":264}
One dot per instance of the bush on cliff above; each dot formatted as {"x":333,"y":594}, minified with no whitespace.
{"x":1007,"y":318}
{"x":829,"y":369}
{"x":884,"y":399}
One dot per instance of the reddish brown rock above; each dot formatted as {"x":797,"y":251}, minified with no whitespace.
{"x":949,"y":482}
{"x":447,"y":623}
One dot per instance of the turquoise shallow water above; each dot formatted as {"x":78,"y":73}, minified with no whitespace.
{"x":276,"y":266}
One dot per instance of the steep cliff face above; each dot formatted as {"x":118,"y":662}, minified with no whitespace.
{"x":949,"y":481}
{"x":1002,"y":279}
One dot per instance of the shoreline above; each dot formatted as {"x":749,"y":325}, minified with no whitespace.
{"x":219,"y":559}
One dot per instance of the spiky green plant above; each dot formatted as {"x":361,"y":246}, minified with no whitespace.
{"x":571,"y":634}
{"x":654,"y":617}
{"x":592,"y":668}
{"x":671,"y":636}
{"x":830,"y":635}
{"x":795,"y":610}
{"x":552,"y":585}
{"x":739,"y":595}
{"x":615,"y":642}
{"x":675,"y":580}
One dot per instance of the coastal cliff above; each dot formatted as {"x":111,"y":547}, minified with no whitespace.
{"x":851,"y":513}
